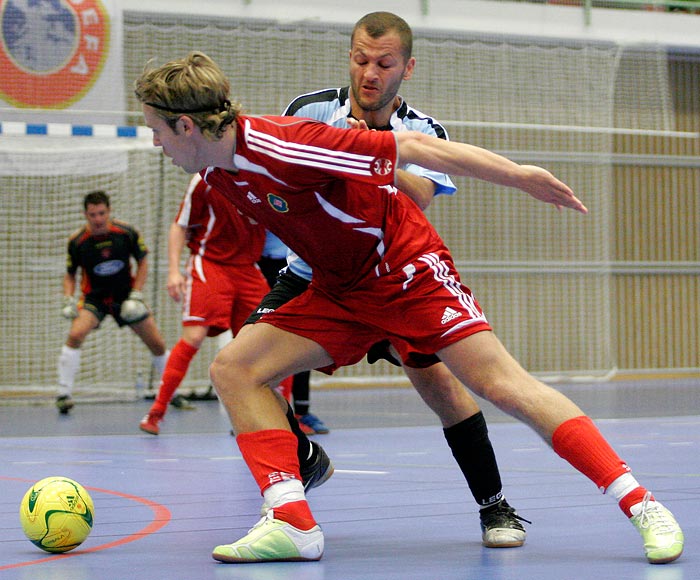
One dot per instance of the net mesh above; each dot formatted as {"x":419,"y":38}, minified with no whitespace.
{"x":542,"y":276}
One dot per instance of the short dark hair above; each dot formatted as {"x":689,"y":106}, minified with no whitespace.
{"x":96,"y":198}
{"x":377,"y":24}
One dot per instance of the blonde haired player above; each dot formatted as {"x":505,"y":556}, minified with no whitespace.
{"x":380,"y":271}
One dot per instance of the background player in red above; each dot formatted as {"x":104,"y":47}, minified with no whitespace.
{"x":381,"y":271}
{"x":222,"y":284}
{"x":102,"y":249}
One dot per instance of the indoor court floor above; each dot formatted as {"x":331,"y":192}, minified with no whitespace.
{"x":396,"y":508}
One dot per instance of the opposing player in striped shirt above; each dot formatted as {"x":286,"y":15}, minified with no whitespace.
{"x":380,"y":59}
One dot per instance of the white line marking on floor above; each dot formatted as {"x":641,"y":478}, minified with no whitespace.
{"x":361,"y":472}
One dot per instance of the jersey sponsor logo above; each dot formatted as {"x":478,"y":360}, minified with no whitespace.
{"x":51,"y":53}
{"x":449,"y":314}
{"x":109,"y":268}
{"x":277,"y":203}
{"x":382,"y":166}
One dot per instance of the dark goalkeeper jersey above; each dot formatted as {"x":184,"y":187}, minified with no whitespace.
{"x":105,"y":260}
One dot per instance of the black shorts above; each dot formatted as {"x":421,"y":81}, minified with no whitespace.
{"x":270,"y":267}
{"x":102,"y":307}
{"x":287,"y":286}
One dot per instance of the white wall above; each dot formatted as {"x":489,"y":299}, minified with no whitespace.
{"x":511,"y":18}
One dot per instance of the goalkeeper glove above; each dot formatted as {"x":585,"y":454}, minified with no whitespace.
{"x":70,"y":308}
{"x":133,"y":308}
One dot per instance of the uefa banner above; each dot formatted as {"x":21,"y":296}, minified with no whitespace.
{"x":62,"y":55}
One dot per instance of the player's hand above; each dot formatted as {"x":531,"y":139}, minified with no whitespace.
{"x":542,"y":185}
{"x":70,"y":308}
{"x":176,"y":286}
{"x":355,"y":124}
{"x":134,"y":308}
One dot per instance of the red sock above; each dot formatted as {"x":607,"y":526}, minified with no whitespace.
{"x":175,"y":370}
{"x":581,"y":444}
{"x":296,"y":513}
{"x":632,"y":498}
{"x":271,"y":456}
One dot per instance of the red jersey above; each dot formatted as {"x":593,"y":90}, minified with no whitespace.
{"x":216,"y":230}
{"x":328,"y":194}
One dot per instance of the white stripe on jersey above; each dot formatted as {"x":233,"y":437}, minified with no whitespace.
{"x":341,"y":216}
{"x":210,"y":226}
{"x":184,"y":218}
{"x":338,"y":214}
{"x":442,"y":275}
{"x":308,"y":155}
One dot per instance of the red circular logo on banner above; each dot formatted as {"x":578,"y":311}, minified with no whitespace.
{"x":52,"y":52}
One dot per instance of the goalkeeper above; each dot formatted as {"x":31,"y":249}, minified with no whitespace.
{"x":102,"y":249}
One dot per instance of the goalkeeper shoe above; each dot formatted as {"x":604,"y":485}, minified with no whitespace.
{"x":272,"y":540}
{"x":311,"y":425}
{"x":64,"y":404}
{"x":501,"y":527}
{"x":663,"y":537}
{"x":150,"y":423}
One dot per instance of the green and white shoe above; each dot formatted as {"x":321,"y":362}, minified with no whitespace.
{"x":272,"y":540}
{"x":663,"y":537}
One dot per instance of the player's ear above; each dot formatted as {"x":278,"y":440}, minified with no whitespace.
{"x":186,"y":124}
{"x":408,"y":71}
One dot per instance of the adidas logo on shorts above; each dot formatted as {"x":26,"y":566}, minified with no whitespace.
{"x":449,"y":314}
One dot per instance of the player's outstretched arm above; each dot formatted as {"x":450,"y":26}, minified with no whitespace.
{"x":467,"y":160}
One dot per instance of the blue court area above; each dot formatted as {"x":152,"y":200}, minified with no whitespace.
{"x":396,"y":508}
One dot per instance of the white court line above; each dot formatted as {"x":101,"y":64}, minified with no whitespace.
{"x":361,"y":472}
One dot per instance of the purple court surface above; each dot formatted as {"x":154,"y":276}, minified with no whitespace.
{"x":397,"y":507}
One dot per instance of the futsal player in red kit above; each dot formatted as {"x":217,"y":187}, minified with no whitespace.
{"x":222,"y":284}
{"x":381,"y":272}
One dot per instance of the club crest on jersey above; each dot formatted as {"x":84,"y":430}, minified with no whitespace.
{"x":51,"y":53}
{"x":382,"y":166}
{"x":277,"y":203}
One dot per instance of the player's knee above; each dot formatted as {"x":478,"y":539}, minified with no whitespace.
{"x":225,"y":370}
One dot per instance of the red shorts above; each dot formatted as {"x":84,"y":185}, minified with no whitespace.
{"x":421,"y":310}
{"x":221,"y":297}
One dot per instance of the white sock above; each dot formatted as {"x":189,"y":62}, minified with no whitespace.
{"x":159,"y":363}
{"x":622,"y":486}
{"x":223,"y":339}
{"x":68,"y":365}
{"x":284,"y":492}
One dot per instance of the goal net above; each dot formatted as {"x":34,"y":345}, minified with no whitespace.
{"x":43,"y":181}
